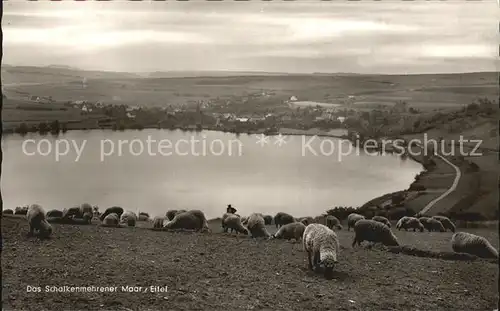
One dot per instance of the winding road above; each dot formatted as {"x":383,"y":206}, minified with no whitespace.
{"x":458,"y":175}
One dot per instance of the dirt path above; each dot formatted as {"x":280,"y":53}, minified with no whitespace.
{"x":458,"y":175}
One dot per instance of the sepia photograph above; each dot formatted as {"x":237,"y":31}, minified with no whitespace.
{"x":250,"y":155}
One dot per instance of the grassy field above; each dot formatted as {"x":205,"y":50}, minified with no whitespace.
{"x":224,"y":271}
{"x":424,"y":91}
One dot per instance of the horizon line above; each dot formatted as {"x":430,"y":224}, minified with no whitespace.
{"x":68,"y":67}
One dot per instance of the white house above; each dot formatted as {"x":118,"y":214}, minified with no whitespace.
{"x":85,"y":108}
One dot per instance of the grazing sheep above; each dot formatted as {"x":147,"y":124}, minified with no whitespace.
{"x":282,"y":219}
{"x":463,"y":242}
{"x":37,"y":221}
{"x":412,"y":223}
{"x":21,"y":210}
{"x":322,"y":247}
{"x":158,"y":222}
{"x":54,"y":213}
{"x":111,"y":220}
{"x":8,"y":212}
{"x":115,"y":209}
{"x":294,"y":230}
{"x":72,"y":212}
{"x":447,"y":224}
{"x":352,"y":219}
{"x":333,"y":222}
{"x":306,"y":220}
{"x":383,"y":220}
{"x":401,"y":221}
{"x":268,"y":219}
{"x":373,"y":231}
{"x":256,"y":226}
{"x":432,"y":224}
{"x":190,"y":220}
{"x":143,"y":216}
{"x":233,"y":222}
{"x":129,"y":218}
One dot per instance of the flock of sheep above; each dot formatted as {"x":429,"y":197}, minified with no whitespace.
{"x":317,"y":234}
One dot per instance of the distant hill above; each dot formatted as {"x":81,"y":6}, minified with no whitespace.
{"x":55,"y":74}
{"x":62,"y":67}
{"x":192,"y":74}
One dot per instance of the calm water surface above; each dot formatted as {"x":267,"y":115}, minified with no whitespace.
{"x":206,"y":174}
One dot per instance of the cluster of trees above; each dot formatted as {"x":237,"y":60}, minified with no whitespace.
{"x":455,"y":121}
{"x":53,"y":127}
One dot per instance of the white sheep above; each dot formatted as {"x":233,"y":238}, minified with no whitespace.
{"x":37,"y":221}
{"x":294,"y":230}
{"x":432,"y":224}
{"x":281,"y":219}
{"x":256,"y":226}
{"x":373,"y":231}
{"x":447,"y":224}
{"x":233,"y":222}
{"x":412,"y":223}
{"x":463,"y":242}
{"x":190,"y":220}
{"x":158,"y":222}
{"x":352,"y":219}
{"x":333,"y":222}
{"x":129,"y":218}
{"x":322,"y":247}
{"x":383,"y":220}
{"x":111,"y":220}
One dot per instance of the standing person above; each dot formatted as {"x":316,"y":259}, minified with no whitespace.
{"x":230,"y":209}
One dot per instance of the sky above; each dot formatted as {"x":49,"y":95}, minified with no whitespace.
{"x":392,"y":37}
